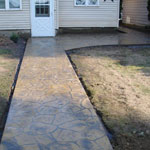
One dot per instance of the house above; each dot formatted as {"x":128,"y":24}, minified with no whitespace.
{"x":45,"y":17}
{"x":135,"y":12}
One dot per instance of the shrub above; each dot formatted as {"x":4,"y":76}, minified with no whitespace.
{"x":14,"y":37}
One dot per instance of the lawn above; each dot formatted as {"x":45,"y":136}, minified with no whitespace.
{"x":10,"y":54}
{"x":117,"y":81}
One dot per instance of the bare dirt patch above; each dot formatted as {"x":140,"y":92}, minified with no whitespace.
{"x":117,"y":80}
{"x":10,"y":54}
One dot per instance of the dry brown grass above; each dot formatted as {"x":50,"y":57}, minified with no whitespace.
{"x":118,"y":80}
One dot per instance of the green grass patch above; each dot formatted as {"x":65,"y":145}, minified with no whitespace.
{"x":5,"y":52}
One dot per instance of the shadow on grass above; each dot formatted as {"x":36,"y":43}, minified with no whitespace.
{"x":136,"y":57}
{"x":13,"y":50}
{"x":4,"y":104}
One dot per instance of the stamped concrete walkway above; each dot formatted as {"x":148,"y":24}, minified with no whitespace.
{"x":50,"y":109}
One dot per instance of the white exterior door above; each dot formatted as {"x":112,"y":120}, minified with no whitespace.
{"x":42,"y":18}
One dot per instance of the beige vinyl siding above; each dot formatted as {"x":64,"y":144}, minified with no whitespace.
{"x":16,"y":19}
{"x":135,"y":12}
{"x":65,"y":14}
{"x":20,"y":19}
{"x":104,"y":15}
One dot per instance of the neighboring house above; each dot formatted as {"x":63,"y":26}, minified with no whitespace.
{"x":45,"y":17}
{"x":135,"y":12}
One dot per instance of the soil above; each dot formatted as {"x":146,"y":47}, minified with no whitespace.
{"x":117,"y":81}
{"x":10,"y":54}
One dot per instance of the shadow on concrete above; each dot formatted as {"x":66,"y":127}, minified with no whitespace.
{"x":54,"y":122}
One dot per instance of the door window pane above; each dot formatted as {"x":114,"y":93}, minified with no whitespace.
{"x":42,"y":10}
{"x":14,"y":3}
{"x":2,"y":4}
{"x":47,"y":10}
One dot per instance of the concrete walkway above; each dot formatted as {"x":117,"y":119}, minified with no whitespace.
{"x":50,"y":109}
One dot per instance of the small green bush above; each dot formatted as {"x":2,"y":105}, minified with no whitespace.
{"x":14,"y":37}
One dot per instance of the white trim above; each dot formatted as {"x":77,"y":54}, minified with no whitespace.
{"x":7,"y":4}
{"x":118,"y":13}
{"x":53,"y":18}
{"x":31,"y":21}
{"x":57,"y":14}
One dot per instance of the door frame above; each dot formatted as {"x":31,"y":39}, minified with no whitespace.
{"x":51,"y":14}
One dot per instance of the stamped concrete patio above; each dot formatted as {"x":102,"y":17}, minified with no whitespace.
{"x":50,"y":109}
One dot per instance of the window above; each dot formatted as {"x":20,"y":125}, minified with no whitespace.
{"x":42,"y":8}
{"x":10,"y":4}
{"x":86,"y":2}
{"x":92,"y":2}
{"x":14,"y":3}
{"x":80,"y":2}
{"x":2,"y":4}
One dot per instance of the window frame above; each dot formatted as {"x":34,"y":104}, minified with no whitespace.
{"x":86,"y":4}
{"x":8,"y":8}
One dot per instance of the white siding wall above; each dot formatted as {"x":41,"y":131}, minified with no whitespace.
{"x":66,"y":15}
{"x":104,"y":15}
{"x":19,"y":19}
{"x":135,"y":12}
